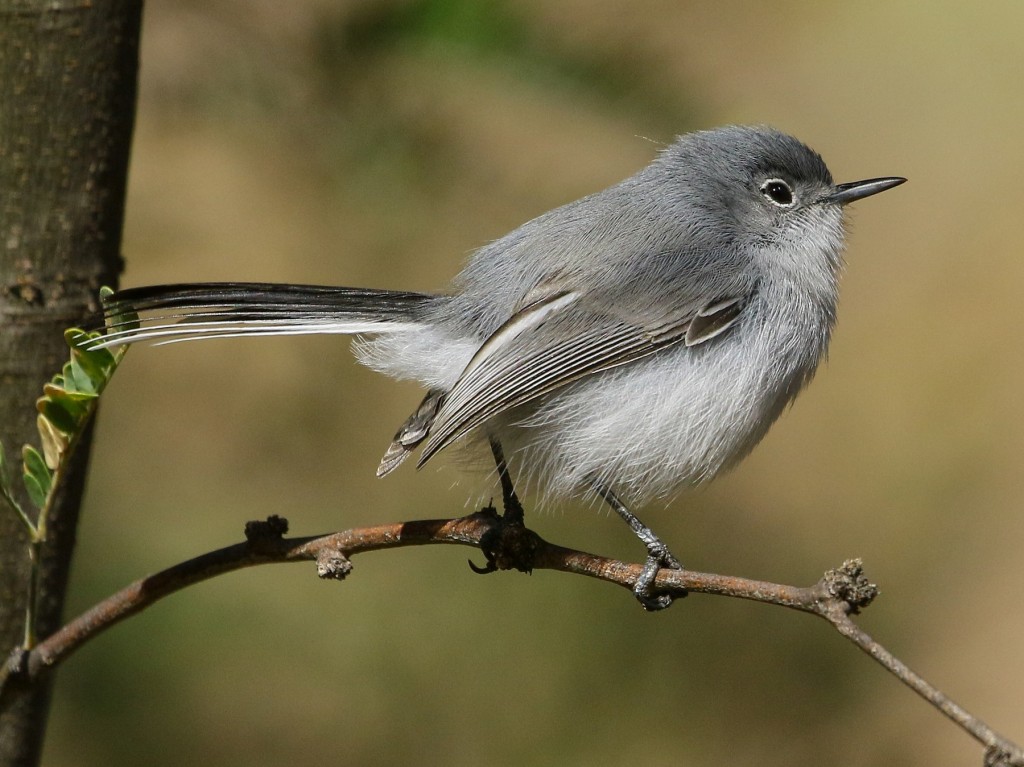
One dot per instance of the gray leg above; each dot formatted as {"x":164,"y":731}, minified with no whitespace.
{"x":513,"y":508}
{"x":658,"y":555}
{"x":508,"y":544}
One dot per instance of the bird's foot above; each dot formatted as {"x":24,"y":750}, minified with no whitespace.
{"x":658,"y":556}
{"x":509,"y":544}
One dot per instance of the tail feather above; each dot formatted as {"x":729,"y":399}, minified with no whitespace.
{"x":412,"y":433}
{"x":190,"y":311}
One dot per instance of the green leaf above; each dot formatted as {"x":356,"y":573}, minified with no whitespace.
{"x":38,"y":478}
{"x":91,"y":368}
{"x":8,"y":494}
{"x":76,"y":379}
{"x":63,"y":378}
{"x":36,"y":493}
{"x":55,"y":441}
{"x":63,"y":413}
{"x":80,"y":399}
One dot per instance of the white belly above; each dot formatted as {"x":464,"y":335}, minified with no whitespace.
{"x":674,"y":419}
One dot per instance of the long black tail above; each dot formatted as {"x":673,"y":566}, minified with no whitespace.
{"x":189,"y":311}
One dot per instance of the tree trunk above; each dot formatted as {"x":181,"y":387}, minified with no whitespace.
{"x":68,"y":82}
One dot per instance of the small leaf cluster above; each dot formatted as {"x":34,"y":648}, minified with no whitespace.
{"x":68,"y":402}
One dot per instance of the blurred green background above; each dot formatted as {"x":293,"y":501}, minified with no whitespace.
{"x":378,"y":143}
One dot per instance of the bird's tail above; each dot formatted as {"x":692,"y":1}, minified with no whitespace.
{"x":189,"y":311}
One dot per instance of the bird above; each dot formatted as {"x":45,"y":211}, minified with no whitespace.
{"x":624,"y":346}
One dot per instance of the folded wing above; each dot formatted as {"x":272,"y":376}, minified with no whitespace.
{"x":560,"y":339}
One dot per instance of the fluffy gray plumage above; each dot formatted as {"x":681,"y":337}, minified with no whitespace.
{"x":640,"y":339}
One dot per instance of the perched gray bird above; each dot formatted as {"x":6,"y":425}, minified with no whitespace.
{"x":627,"y":344}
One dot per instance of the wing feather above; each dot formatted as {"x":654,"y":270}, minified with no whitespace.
{"x":556,"y":341}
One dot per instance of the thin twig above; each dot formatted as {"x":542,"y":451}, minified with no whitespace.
{"x":838,"y":595}
{"x":1000,"y":751}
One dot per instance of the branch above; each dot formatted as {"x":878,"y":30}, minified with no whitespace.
{"x":838,"y":595}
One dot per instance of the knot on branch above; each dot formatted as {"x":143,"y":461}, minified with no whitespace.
{"x":849,"y":584}
{"x":998,"y":755}
{"x":262,"y":535}
{"x":508,"y":544}
{"x":332,"y":564}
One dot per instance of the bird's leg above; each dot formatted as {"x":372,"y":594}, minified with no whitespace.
{"x":510,"y":501}
{"x":658,"y":555}
{"x":508,"y":545}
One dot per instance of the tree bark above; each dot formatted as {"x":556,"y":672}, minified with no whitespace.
{"x":68,"y":74}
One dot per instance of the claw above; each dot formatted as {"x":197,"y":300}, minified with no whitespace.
{"x":643,"y":589}
{"x":653,"y":604}
{"x":490,"y":567}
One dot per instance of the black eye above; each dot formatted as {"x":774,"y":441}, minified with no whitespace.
{"x":778,"y":191}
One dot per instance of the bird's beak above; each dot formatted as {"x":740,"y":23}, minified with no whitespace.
{"x":857,"y":190}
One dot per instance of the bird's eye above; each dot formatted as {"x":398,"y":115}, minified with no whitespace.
{"x":778,"y":192}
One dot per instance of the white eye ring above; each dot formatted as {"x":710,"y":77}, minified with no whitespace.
{"x":778,"y":192}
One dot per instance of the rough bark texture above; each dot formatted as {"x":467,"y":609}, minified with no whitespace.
{"x":68,"y":83}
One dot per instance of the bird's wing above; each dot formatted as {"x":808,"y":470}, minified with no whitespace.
{"x":560,"y":339}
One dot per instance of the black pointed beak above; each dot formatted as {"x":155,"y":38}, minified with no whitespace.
{"x":858,"y":190}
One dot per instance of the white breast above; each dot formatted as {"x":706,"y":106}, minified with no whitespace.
{"x":678,"y":418}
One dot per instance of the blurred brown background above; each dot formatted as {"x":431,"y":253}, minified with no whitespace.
{"x":377,"y":143}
